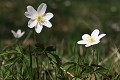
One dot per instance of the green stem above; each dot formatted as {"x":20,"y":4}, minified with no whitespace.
{"x":37,"y":64}
{"x":93,"y":56}
{"x":35,"y":37}
{"x":30,"y":63}
{"x":36,"y":56}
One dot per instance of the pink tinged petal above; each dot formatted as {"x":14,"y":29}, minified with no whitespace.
{"x":85,"y":36}
{"x":95,"y":33}
{"x":38,"y":28}
{"x":41,"y":9}
{"x":32,"y":23}
{"x":47,"y":24}
{"x":100,"y":36}
{"x":48,"y":16}
{"x":81,"y":42}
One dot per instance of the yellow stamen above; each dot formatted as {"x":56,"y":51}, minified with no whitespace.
{"x":40,"y":19}
{"x":90,"y":39}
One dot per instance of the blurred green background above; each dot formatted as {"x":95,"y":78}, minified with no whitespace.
{"x":72,"y":19}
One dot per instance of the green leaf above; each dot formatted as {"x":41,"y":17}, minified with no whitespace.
{"x":8,"y":52}
{"x":55,"y":58}
{"x":97,"y":77}
{"x":87,"y":71}
{"x":76,"y":79}
{"x":101,"y":70}
{"x":18,"y":49}
{"x":44,"y":76}
{"x":94,"y":65}
{"x":50,"y":48}
{"x":68,"y":65}
{"x":11,"y":61}
{"x":39,"y":47}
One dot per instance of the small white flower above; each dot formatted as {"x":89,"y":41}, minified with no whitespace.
{"x":18,"y":34}
{"x":38,"y":18}
{"x":91,"y":40}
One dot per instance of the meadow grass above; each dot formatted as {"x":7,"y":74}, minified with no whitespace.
{"x":66,"y":61}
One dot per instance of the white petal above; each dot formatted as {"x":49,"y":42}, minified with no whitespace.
{"x":85,"y":36}
{"x":31,"y":10}
{"x":30,"y":15}
{"x":32,"y":23}
{"x":17,"y":36}
{"x":38,"y":28}
{"x":90,"y":44}
{"x":47,"y":24}
{"x":41,"y":9}
{"x":87,"y":45}
{"x":14,"y":33}
{"x":48,"y":16}
{"x":100,"y":36}
{"x":19,"y":31}
{"x":95,"y":33}
{"x":22,"y":34}
{"x":96,"y":42}
{"x":81,"y":42}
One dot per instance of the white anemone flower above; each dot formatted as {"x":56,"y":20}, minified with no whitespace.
{"x":38,"y":18}
{"x":18,"y":34}
{"x":92,"y":39}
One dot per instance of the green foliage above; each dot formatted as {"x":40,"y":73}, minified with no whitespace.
{"x":20,"y":63}
{"x":66,"y":60}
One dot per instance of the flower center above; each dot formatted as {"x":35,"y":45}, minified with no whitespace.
{"x":40,"y":19}
{"x":90,"y":39}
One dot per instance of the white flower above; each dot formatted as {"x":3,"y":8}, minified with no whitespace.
{"x":91,"y":40}
{"x":18,"y":34}
{"x":38,"y":18}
